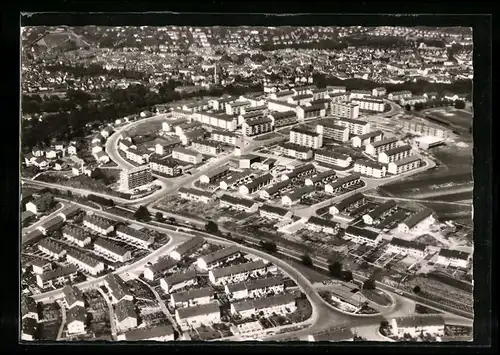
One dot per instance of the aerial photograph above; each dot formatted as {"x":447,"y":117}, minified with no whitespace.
{"x":230,"y":184}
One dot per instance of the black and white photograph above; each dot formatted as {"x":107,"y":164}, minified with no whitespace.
{"x":246,"y":183}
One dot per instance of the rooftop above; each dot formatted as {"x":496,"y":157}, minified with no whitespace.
{"x":238,"y":269}
{"x":188,"y":312}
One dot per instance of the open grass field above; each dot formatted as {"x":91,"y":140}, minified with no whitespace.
{"x":455,"y":118}
{"x":144,"y":128}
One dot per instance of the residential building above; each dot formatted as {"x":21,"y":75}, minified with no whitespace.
{"x":187,"y":248}
{"x":403,"y":165}
{"x":426,"y":142}
{"x":335,"y":89}
{"x":166,"y":166}
{"x":375,"y":148}
{"x":296,"y":151}
{"x":235,"y":179}
{"x":365,"y":139}
{"x":257,"y":125}
{"x":406,"y":247}
{"x":98,"y":224}
{"x":192,"y":297}
{"x":329,"y":157}
{"x":206,"y":147}
{"x":193,"y":317}
{"x":297,"y":195}
{"x":124,"y":145}
{"x":426,"y":129}
{"x":224,"y":137}
{"x":52,"y":249}
{"x":273,"y":212}
{"x":135,"y":177}
{"x":179,"y":281}
{"x":343,"y":183}
{"x":425,"y":214}
{"x":413,"y":100}
{"x":40,"y":266}
{"x":329,"y":129}
{"x":347,"y":204}
{"x":212,"y":176}
{"x":309,"y":112}
{"x":102,"y":157}
{"x":300,"y":99}
{"x":276,"y":190}
{"x":138,"y":156}
{"x":280,"y":304}
{"x":246,"y":161}
{"x":359,"y":94}
{"x":255,"y":288}
{"x":192,"y":194}
{"x":282,"y":95}
{"x":323,"y":225}
{"x":256,"y":184}
{"x":282,"y":119}
{"x":237,"y":107}
{"x":300,"y":172}
{"x":161,"y":266}
{"x":399,"y":95}
{"x":221,"y":121}
{"x":58,"y":276}
{"x":415,"y":326}
{"x":220,"y":104}
{"x":356,"y":126}
{"x":280,"y":106}
{"x":117,"y":288}
{"x":29,"y":308}
{"x":380,"y":212}
{"x":241,"y":204}
{"x":126,"y":316}
{"x":72,"y":297}
{"x":322,"y":178}
{"x":29,"y":327}
{"x":336,"y":335}
{"x":40,"y":204}
{"x":454,"y":258}
{"x":69,"y":212}
{"x":370,"y":168}
{"x":51,"y":225}
{"x":394,"y":154}
{"x":378,"y":92}
{"x":370,"y":104}
{"x":166,"y":146}
{"x":362,"y":236}
{"x":135,"y":237}
{"x":306,"y":138}
{"x":215,"y":259}
{"x":84,"y":262}
{"x":156,"y":333}
{"x":345,"y":110}
{"x":187,"y":155}
{"x":76,"y":318}
{"x":76,"y":235}
{"x":236,"y":273}
{"x":111,"y":251}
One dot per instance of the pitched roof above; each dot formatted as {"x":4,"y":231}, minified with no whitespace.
{"x":454,"y":254}
{"x":266,"y":178}
{"x":163,"y":264}
{"x":408,"y":244}
{"x":125,"y":309}
{"x":72,"y":295}
{"x":301,"y":192}
{"x":76,"y":314}
{"x":29,"y":326}
{"x":28,"y":305}
{"x":193,"y":294}
{"x":278,"y":186}
{"x":60,"y":272}
{"x":237,"y":200}
{"x":180,"y":277}
{"x":418,"y":216}
{"x":238,"y":269}
{"x":361,"y":232}
{"x":203,"y":309}
{"x":408,"y":160}
{"x":149,"y":333}
{"x":323,"y":222}
{"x":220,"y":254}
{"x":134,"y":233}
{"x":110,"y":246}
{"x":331,"y":154}
{"x":369,"y":163}
{"x":274,"y":210}
{"x":193,"y":191}
{"x":372,"y":134}
{"x":344,"y":180}
{"x":419,"y":321}
{"x":383,"y":142}
{"x":189,"y":245}
{"x":382,"y":208}
{"x":397,"y":150}
{"x":348,"y":201}
{"x":116,"y":286}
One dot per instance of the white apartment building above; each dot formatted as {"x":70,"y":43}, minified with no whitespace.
{"x":135,"y":177}
{"x":329,"y":129}
{"x":365,"y":139}
{"x":306,"y":138}
{"x":378,"y":92}
{"x":403,"y":165}
{"x":356,"y":127}
{"x":224,"y":137}
{"x":375,"y":148}
{"x":187,"y":155}
{"x":370,"y":168}
{"x":75,"y":320}
{"x":359,"y":94}
{"x":296,"y":151}
{"x":222,"y":121}
{"x":399,"y":95}
{"x":395,"y":154}
{"x":345,"y":110}
{"x":367,"y":104}
{"x":178,"y":281}
{"x":192,"y":194}
{"x":206,"y":147}
{"x":332,"y":158}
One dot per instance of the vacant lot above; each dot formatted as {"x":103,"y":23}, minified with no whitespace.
{"x":175,"y":204}
{"x":457,"y":119}
{"x":145,"y":128}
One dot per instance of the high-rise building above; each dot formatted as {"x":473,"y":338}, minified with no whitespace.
{"x":136,"y":177}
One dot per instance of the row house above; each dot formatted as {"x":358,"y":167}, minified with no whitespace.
{"x":347,"y":110}
{"x":399,"y":95}
{"x":367,"y":138}
{"x":187,"y":248}
{"x":283,"y":95}
{"x":192,"y":194}
{"x":51,"y":225}
{"x":257,"y":125}
{"x":394,"y":154}
{"x":98,"y":224}
{"x":403,"y":165}
{"x":277,"y":304}
{"x":309,"y":112}
{"x":206,"y":147}
{"x":348,"y":203}
{"x":84,"y":262}
{"x":111,"y":250}
{"x":273,"y":212}
{"x":322,"y":178}
{"x":213,"y":176}
{"x":300,"y":172}
{"x":300,"y":99}
{"x":415,"y":219}
{"x":362,"y":236}
{"x":194,"y":317}
{"x":187,"y":155}
{"x":332,"y":158}
{"x":454,"y":258}
{"x":276,"y":190}
{"x":215,"y":259}
{"x":370,"y":104}
{"x":306,"y":138}
{"x":222,"y":121}
{"x":426,"y":129}
{"x":76,"y":235}
{"x":281,"y":106}
{"x":322,"y":225}
{"x":375,"y":148}
{"x":359,"y":94}
{"x":118,"y":290}
{"x":380,"y":212}
{"x":406,"y":247}
{"x":57,"y":276}
{"x":255,"y":288}
{"x":69,"y":212}
{"x":256,"y":184}
{"x":236,"y":178}
{"x":236,"y":273}
{"x":179,"y":281}
{"x":224,"y":137}
{"x":160,"y":267}
{"x":282,"y":119}
{"x":329,"y":129}
{"x":356,"y":127}
{"x":336,"y":89}
{"x":296,"y":151}
{"x":343,"y":183}
{"x":370,"y":168}
{"x":413,"y":100}
{"x":51,"y":249}
{"x":134,"y":237}
{"x":192,"y":297}
{"x":297,"y":195}
{"x":165,"y":166}
{"x":238,"y":203}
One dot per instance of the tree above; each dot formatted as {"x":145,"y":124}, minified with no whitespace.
{"x":159,"y":217}
{"x":335,"y":269}
{"x":369,"y":284}
{"x":69,"y":193}
{"x":416,"y":289}
{"x":142,"y":214}
{"x":460,"y":105}
{"x":419,"y":106}
{"x":347,"y":275}
{"x":269,"y":246}
{"x":408,"y":107}
{"x":211,"y":227}
{"x":306,"y":260}
{"x":172,"y":220}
